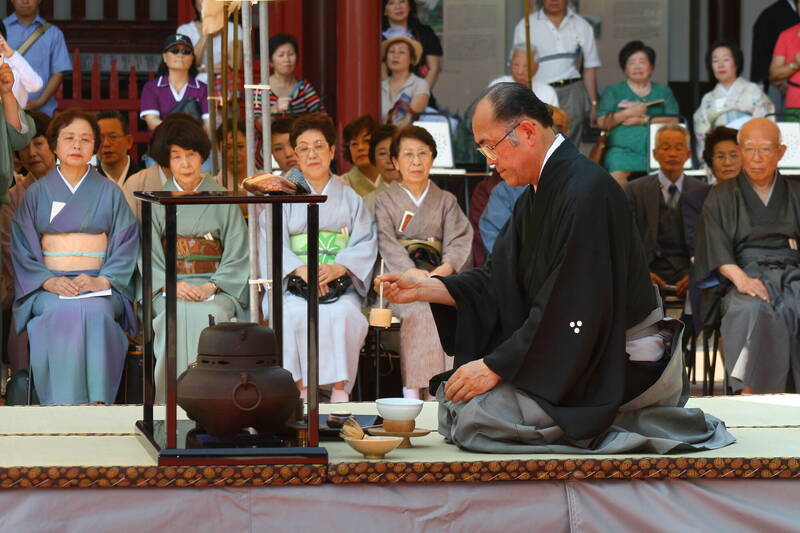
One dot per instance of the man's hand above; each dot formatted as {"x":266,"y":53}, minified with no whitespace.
{"x":470,"y":380}
{"x":753,"y":287}
{"x":6,"y":79}
{"x":267,"y":183}
{"x":682,"y":286}
{"x":655,"y":278}
{"x":400,"y":288}
{"x":86,"y":283}
{"x":61,"y":285}
{"x":418,"y":272}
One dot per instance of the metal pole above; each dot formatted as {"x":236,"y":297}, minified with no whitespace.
{"x":171,"y":370}
{"x":313,"y":324}
{"x":276,"y":313}
{"x":527,"y":7}
{"x":147,"y":314}
{"x":223,"y":93}
{"x":266,"y":144}
{"x":212,"y":105}
{"x":249,"y":125}
{"x":235,"y":106}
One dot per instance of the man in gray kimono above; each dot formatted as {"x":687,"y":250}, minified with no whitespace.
{"x":748,"y":232}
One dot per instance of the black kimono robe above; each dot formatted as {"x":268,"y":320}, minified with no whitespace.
{"x":549,"y":312}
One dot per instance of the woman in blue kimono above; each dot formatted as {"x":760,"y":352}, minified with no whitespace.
{"x":75,"y":236}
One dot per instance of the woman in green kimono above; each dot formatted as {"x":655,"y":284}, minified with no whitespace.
{"x":214,"y":284}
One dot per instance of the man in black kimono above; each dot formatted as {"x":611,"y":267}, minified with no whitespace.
{"x":539,"y":334}
{"x":748,"y":232}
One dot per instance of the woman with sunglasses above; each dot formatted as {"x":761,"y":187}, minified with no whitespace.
{"x":175,"y":88}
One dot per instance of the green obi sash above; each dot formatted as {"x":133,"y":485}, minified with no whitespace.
{"x":330,"y":244}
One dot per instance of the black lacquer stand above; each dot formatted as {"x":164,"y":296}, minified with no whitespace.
{"x":164,"y":436}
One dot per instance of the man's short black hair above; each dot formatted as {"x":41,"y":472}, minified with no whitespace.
{"x":282,"y":125}
{"x":112,"y":114}
{"x":512,"y":100}
{"x":736,"y":52}
{"x":352,"y":130}
{"x":240,"y":126}
{"x":381,"y":133}
{"x":181,"y":130}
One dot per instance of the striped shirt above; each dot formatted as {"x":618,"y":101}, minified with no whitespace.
{"x":305,"y":99}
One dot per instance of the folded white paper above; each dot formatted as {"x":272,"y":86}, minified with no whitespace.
{"x":94,"y":294}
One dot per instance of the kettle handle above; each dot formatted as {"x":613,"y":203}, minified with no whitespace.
{"x":245,"y":381}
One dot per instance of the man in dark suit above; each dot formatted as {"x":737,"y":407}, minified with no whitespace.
{"x":656,"y":201}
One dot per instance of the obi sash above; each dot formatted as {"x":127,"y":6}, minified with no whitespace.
{"x":427,"y":255}
{"x":197,"y":255}
{"x":330,"y":244}
{"x":72,"y":252}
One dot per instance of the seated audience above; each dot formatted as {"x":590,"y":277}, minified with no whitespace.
{"x":364,"y":176}
{"x":381,"y":158}
{"x":239,"y":172}
{"x":721,"y":154}
{"x":748,"y":231}
{"x":625,"y":110}
{"x":26,"y":80}
{"x":421,"y":229}
{"x":75,"y":234}
{"x":175,"y":88}
{"x":656,"y":201}
{"x":784,"y":70}
{"x":733,"y":100}
{"x":214,"y":285}
{"x":37,"y":159}
{"x":116,"y":142}
{"x":477,"y":205}
{"x":403,"y":93}
{"x":348,"y":247}
{"x":282,"y":149}
{"x":401,"y":15}
{"x":518,"y":65}
{"x":288,"y":95}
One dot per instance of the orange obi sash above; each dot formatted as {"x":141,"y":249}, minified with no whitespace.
{"x":68,"y":252}
{"x":197,"y":255}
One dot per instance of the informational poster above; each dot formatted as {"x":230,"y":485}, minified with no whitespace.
{"x":473,"y":39}
{"x":617,"y":22}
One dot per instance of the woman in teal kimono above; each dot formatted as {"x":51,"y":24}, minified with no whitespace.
{"x":212,"y":250}
{"x":627,"y":107}
{"x":348,"y":248}
{"x":75,"y":236}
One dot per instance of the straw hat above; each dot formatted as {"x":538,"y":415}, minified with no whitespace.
{"x":396,"y":34}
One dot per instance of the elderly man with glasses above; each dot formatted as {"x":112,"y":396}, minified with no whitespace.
{"x":559,"y":342}
{"x":748,"y":232}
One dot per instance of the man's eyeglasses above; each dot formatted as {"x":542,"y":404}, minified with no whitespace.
{"x":113,"y":138}
{"x":176,"y":51}
{"x":488,"y":151}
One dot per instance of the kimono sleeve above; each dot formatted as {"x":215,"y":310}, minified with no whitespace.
{"x":362,"y":249}
{"x":714,"y":244}
{"x":19,"y":139}
{"x":26,"y":250}
{"x":233,"y":271}
{"x":391,"y":251}
{"x":123,"y":246}
{"x":457,"y":235}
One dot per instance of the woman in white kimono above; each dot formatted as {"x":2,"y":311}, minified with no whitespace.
{"x":348,"y":247}
{"x":416,"y":217}
{"x":212,"y":249}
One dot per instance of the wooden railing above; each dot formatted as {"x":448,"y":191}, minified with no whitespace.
{"x":126,"y":102}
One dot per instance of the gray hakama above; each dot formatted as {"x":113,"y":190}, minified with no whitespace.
{"x":762,"y":339}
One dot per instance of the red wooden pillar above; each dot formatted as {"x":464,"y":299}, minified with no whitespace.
{"x":185,"y":11}
{"x":319,"y":45}
{"x":357,"y":61}
{"x":287,"y":17}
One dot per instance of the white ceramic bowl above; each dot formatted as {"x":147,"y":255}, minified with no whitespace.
{"x":398,"y":408}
